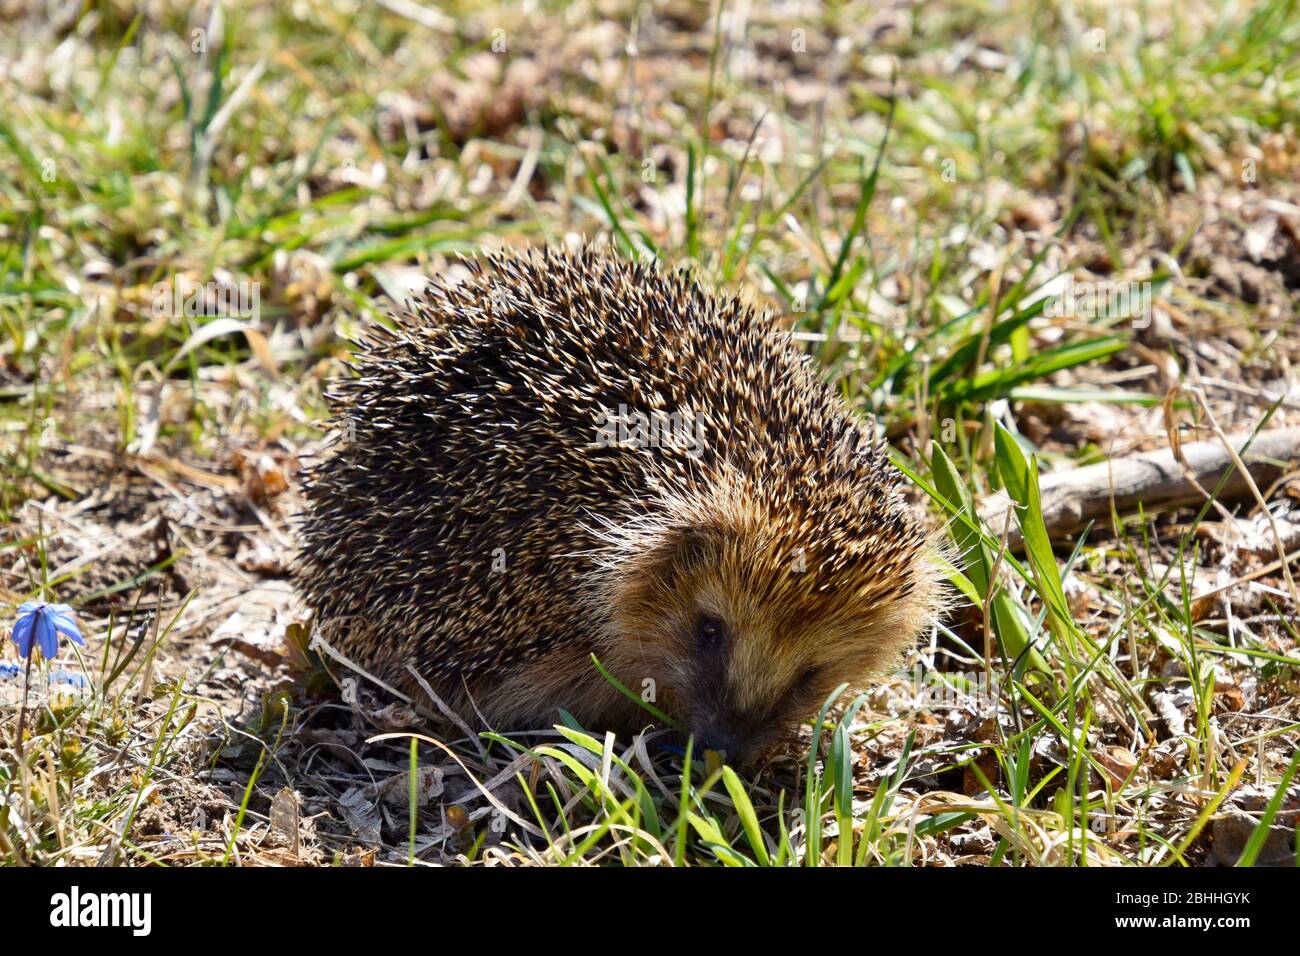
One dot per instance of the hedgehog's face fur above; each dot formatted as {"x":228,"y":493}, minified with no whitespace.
{"x":745,"y":635}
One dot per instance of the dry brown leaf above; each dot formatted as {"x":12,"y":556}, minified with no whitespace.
{"x":1118,"y":763}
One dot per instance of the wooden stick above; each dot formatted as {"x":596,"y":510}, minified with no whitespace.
{"x":1154,"y":480}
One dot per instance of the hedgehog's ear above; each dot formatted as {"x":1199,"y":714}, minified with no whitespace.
{"x":694,"y":546}
{"x":669,"y":551}
{"x":657,"y":557}
{"x":688,"y":548}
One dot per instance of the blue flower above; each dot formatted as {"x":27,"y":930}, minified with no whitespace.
{"x":40,"y":624}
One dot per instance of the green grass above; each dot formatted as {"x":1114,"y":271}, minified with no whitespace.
{"x":322,"y":154}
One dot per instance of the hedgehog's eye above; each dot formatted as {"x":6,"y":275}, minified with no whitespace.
{"x":709,"y":632}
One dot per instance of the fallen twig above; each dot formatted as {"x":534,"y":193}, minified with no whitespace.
{"x":1153,"y":480}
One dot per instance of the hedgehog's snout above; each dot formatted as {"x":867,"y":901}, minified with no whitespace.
{"x":740,"y":740}
{"x":723,"y":739}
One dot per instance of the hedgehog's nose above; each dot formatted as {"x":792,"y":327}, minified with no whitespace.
{"x":722,"y":739}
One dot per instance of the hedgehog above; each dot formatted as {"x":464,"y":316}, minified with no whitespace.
{"x":566,"y":458}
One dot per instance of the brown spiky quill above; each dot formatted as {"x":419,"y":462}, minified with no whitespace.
{"x":486,"y":521}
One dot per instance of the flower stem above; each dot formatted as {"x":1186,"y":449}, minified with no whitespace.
{"x":22,"y":710}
